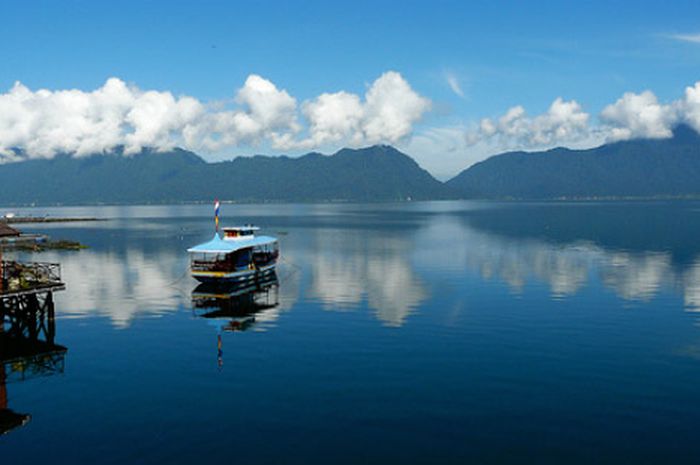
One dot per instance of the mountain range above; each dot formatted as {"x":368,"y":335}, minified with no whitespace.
{"x":378,"y":173}
{"x":636,"y":168}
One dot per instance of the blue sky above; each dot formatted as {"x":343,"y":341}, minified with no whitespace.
{"x":499,"y":54}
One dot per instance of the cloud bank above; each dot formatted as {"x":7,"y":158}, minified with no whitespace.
{"x":562,"y":121}
{"x":44,"y":123}
{"x":632,"y":116}
{"x":447,"y":150}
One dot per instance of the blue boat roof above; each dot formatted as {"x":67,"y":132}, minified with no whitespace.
{"x":218,"y":245}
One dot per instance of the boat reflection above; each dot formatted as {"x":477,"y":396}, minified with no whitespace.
{"x":236,"y":307}
{"x":237,"y":304}
{"x":27,"y":351}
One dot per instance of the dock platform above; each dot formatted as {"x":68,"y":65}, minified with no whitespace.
{"x":26,"y":298}
{"x":27,"y":330}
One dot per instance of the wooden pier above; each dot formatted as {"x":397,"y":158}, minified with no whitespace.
{"x":27,"y":329}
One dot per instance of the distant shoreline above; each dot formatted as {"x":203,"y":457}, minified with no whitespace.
{"x":31,"y":219}
{"x":42,"y":219}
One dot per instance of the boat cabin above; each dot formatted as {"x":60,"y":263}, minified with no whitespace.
{"x":240,"y":255}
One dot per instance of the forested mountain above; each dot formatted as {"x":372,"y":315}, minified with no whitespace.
{"x":634,"y":168}
{"x":378,"y":173}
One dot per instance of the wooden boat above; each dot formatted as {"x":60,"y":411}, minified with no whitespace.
{"x":237,"y":257}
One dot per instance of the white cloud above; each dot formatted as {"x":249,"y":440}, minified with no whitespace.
{"x":391,"y":108}
{"x":387,"y":115}
{"x":454,"y":84}
{"x":44,"y":123}
{"x":265,"y":113}
{"x":689,"y":106}
{"x":693,"y":38}
{"x":638,"y":116}
{"x":632,"y":116}
{"x":564,"y":121}
{"x":334,"y":117}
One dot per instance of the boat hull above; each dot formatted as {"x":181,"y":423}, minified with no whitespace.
{"x":233,"y":277}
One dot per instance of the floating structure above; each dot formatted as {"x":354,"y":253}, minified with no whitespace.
{"x":8,"y":231}
{"x":10,"y":236}
{"x":20,"y":280}
{"x":27,"y":330}
{"x":239,"y":256}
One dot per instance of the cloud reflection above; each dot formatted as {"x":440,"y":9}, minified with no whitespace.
{"x":391,"y":270}
{"x":121,"y":286}
{"x":350,"y":266}
{"x":565,"y":267}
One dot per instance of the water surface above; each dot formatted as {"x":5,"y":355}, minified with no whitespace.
{"x":447,"y":332}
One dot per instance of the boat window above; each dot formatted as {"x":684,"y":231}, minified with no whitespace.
{"x":238,"y":232}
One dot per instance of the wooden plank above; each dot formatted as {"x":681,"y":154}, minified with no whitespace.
{"x":53,"y":287}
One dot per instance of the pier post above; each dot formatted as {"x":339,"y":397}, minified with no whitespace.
{"x":50,"y":319}
{"x":3,"y":386}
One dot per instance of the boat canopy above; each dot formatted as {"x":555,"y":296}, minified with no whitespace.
{"x":219,"y":246}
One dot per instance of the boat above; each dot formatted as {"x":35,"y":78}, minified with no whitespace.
{"x":239,"y":256}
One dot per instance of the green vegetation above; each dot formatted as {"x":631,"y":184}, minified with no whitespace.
{"x":378,"y":173}
{"x":636,"y":168}
{"x":628,"y":169}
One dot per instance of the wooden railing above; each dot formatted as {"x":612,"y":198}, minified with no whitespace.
{"x":16,"y":276}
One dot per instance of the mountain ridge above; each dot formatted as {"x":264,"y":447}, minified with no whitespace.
{"x":377,"y":173}
{"x":640,"y":168}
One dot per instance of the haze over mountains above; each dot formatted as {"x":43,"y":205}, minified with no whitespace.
{"x":637,"y":168}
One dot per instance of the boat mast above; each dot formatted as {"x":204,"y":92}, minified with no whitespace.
{"x":217,"y":206}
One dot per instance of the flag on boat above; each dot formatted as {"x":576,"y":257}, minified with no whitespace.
{"x":217,"y":206}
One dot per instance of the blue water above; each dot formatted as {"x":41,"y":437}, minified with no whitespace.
{"x":447,"y":332}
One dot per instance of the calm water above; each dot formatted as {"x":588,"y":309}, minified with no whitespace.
{"x":414,"y":333}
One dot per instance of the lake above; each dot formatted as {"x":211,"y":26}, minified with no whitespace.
{"x":427,"y":333}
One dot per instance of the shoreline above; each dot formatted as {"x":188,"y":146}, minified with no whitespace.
{"x":41,"y":219}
